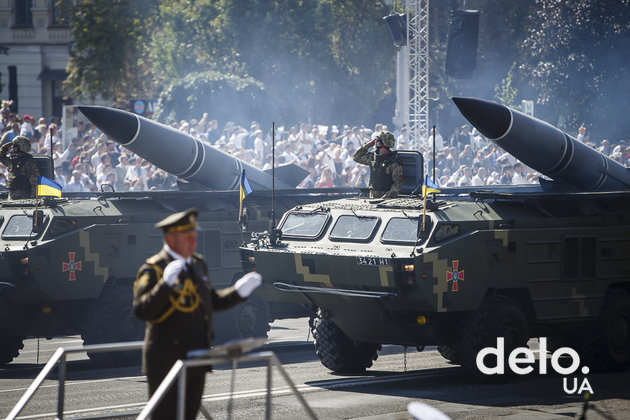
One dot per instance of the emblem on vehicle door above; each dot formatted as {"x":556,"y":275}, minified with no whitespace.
{"x":455,"y":276}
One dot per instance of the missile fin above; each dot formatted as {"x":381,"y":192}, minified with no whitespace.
{"x":289,"y":174}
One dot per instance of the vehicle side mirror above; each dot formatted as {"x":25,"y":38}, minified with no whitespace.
{"x":38,"y":221}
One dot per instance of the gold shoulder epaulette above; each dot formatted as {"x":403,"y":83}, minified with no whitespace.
{"x":153,"y":259}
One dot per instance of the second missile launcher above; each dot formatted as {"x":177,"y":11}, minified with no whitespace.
{"x":460,"y":271}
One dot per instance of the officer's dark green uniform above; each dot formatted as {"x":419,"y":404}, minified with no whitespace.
{"x":179,"y":318}
{"x":386,"y":172}
{"x":22,"y":176}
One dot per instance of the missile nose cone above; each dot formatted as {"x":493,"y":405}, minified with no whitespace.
{"x":115,"y":123}
{"x":491,"y":119}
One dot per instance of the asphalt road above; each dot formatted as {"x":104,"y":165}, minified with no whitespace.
{"x":383,"y":392}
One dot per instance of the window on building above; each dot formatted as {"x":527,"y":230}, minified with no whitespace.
{"x":23,"y":15}
{"x":60,"y":14}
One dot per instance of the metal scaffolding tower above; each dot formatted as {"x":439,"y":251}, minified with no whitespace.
{"x":418,"y":69}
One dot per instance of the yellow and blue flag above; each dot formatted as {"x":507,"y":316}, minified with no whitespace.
{"x":47,"y":187}
{"x":246,"y":189}
{"x":429,"y":186}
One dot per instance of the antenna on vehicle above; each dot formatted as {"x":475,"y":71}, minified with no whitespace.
{"x":433,"y":177}
{"x":273,"y":175}
{"x":274,"y":234}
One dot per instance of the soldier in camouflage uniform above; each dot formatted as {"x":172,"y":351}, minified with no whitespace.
{"x":386,"y":171}
{"x":22,"y":177}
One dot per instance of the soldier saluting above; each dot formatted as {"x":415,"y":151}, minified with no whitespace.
{"x":386,"y":171}
{"x":172,"y":293}
{"x":22,"y":177}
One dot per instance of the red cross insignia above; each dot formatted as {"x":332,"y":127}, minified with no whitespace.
{"x":455,"y":276}
{"x":71,"y":266}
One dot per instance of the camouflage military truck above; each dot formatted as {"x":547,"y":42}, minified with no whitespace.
{"x":516,"y":265}
{"x":549,"y":260}
{"x":72,"y":272}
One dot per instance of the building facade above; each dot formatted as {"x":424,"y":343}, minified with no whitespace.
{"x":34,"y":50}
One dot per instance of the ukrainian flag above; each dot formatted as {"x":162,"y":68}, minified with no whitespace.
{"x":246,"y":189}
{"x":47,"y":187}
{"x":429,"y":186}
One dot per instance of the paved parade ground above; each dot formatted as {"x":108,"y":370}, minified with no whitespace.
{"x":383,"y":392}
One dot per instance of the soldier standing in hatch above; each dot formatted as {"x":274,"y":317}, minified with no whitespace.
{"x":172,"y":293}
{"x":22,"y":177}
{"x":386,"y":170}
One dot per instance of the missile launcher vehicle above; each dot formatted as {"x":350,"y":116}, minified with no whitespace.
{"x":463,"y":267}
{"x":72,"y":272}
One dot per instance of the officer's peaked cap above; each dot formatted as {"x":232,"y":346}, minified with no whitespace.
{"x":183,"y":221}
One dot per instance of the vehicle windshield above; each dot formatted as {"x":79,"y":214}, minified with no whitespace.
{"x":308,"y":225}
{"x":354,"y":228}
{"x":21,"y":226}
{"x":401,"y":229}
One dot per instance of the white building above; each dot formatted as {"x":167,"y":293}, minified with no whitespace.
{"x":34,"y":51}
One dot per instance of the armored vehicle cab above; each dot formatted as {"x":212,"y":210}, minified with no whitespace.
{"x":491,"y":264}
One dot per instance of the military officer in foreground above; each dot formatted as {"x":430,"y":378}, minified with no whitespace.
{"x":386,"y":172}
{"x":22,"y":176}
{"x":173,"y":295}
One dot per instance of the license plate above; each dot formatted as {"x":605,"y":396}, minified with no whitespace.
{"x":374,"y":261}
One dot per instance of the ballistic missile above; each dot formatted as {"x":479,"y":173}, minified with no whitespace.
{"x":545,"y":148}
{"x":182,"y":155}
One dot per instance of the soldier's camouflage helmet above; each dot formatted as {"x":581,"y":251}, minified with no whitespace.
{"x":386,"y":138}
{"x":22,"y":143}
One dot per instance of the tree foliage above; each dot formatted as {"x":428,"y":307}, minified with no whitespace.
{"x":575,"y":54}
{"x":109,"y":56}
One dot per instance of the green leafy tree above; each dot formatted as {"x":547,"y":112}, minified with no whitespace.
{"x":506,"y":92}
{"x":109,"y":55}
{"x":576,"y":56}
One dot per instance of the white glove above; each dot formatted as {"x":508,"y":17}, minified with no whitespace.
{"x":172,"y":270}
{"x":246,"y":284}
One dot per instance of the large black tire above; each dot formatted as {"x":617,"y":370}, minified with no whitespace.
{"x":10,"y":346}
{"x":498,"y":316}
{"x":606,"y":348}
{"x":337,"y":352}
{"x":112,"y":320}
{"x":449,"y":352}
{"x":248,"y":319}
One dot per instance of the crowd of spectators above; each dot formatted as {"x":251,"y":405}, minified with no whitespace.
{"x":90,"y":161}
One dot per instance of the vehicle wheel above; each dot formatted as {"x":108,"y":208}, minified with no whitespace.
{"x":607,"y":347}
{"x":10,"y":346}
{"x":111,"y":321}
{"x":449,"y":353}
{"x":337,"y":352}
{"x":498,"y":316}
{"x":246,"y":320}
{"x":252,"y":319}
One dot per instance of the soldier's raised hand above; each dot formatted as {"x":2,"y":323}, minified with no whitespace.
{"x":246,"y":284}
{"x":172,"y":270}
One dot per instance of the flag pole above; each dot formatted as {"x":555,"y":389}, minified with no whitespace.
{"x":424,"y":210}
{"x":240,"y":199}
{"x":36,"y":199}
